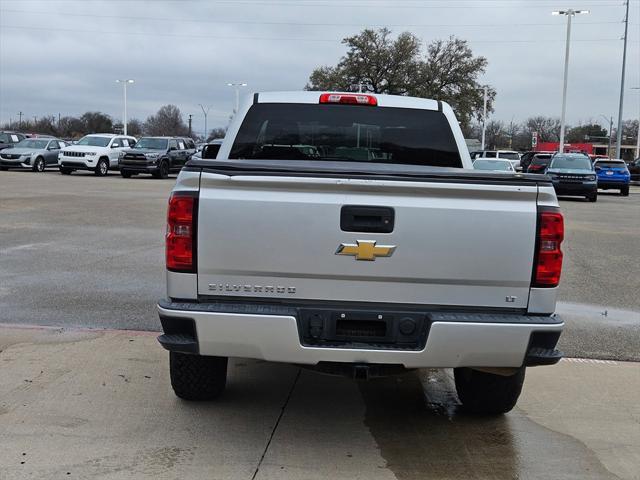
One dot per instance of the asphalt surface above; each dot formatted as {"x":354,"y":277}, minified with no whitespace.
{"x":86,"y":251}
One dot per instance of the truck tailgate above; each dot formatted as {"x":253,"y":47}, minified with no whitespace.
{"x":456,"y":243}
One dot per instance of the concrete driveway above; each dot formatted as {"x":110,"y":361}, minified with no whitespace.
{"x":87,"y":404}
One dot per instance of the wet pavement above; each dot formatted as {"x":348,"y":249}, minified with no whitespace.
{"x":82,"y":251}
{"x":88,"y":252}
{"x":99,"y":405}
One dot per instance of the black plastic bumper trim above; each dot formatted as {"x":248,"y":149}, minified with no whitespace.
{"x":179,"y":334}
{"x":179,"y":343}
{"x":537,"y":356}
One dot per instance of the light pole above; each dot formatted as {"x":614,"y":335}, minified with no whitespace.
{"x":124,"y":115}
{"x":484,"y":118}
{"x":205,"y":113}
{"x":570,"y":13}
{"x":638,"y":135}
{"x":624,"y":64}
{"x":237,"y":87}
{"x":610,"y":120}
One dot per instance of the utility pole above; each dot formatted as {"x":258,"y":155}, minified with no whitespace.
{"x":58,"y":120}
{"x":610,"y":135}
{"x":511,"y":134}
{"x":20,"y":121}
{"x":35,"y":120}
{"x":190,"y":124}
{"x":610,"y":120}
{"x":638,"y":134}
{"x":624,"y":64}
{"x":484,"y":118}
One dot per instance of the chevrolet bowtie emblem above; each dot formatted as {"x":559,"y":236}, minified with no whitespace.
{"x":365,"y":250}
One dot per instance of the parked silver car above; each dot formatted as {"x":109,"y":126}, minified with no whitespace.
{"x":34,"y":153}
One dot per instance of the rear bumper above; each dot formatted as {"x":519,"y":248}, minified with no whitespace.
{"x":613,"y":183}
{"x":452,"y":339}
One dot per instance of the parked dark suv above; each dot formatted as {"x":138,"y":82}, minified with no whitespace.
{"x":9,"y":139}
{"x":634,"y":170}
{"x":539,"y":163}
{"x":158,"y":156}
{"x":573,"y":174}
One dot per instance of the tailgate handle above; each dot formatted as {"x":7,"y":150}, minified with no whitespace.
{"x":365,"y":218}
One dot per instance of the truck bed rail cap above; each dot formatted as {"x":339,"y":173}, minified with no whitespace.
{"x":360,"y":170}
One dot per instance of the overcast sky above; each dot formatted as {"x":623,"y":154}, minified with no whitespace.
{"x":63,"y":56}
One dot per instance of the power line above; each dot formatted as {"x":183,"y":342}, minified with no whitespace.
{"x":287,"y":39}
{"x":447,"y":5}
{"x":305,"y":24}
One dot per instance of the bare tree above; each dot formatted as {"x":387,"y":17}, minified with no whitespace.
{"x":495,"y":134}
{"x":548,"y":128}
{"x":96,"y":122}
{"x":219,"y":132}
{"x":167,"y":121}
{"x":134,"y":127}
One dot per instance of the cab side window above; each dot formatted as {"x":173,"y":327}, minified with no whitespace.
{"x":116,"y":143}
{"x":180,"y":145}
{"x":53,"y":145}
{"x":173,"y":145}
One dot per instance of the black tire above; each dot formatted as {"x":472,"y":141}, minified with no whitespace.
{"x":38,"y":165}
{"x":65,"y":171}
{"x":624,"y":191}
{"x":102,"y":167}
{"x":488,"y":393}
{"x":163,"y":170}
{"x":125,"y":174}
{"x":593,"y":198}
{"x":196,"y":377}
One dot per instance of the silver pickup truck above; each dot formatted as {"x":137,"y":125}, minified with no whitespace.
{"x":348,"y":233}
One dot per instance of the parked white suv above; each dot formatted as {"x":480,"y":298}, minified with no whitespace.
{"x":97,"y":152}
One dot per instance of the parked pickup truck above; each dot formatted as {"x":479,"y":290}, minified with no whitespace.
{"x":348,"y":233}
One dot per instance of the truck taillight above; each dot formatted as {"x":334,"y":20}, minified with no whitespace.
{"x":181,"y":237}
{"x":349,"y":98}
{"x":548,"y":264}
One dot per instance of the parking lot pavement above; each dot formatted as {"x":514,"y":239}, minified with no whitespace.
{"x":86,"y":251}
{"x":87,"y":404}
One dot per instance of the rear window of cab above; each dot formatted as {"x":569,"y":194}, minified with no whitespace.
{"x":349,"y":133}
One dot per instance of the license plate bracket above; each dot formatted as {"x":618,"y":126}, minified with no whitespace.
{"x":359,"y":328}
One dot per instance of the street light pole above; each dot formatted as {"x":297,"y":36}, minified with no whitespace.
{"x":484,"y":118}
{"x":624,"y":64}
{"x":205,"y":113}
{"x":124,"y":115}
{"x":570,"y":13}
{"x":237,"y":87}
